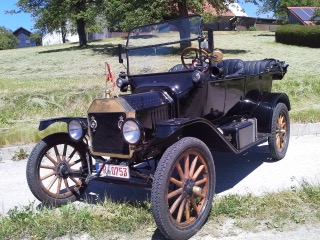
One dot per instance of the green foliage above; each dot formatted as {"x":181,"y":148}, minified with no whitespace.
{"x":108,"y":219}
{"x":209,"y":18}
{"x":123,"y":15}
{"x":316,"y":16}
{"x":20,"y":155}
{"x":65,"y":15}
{"x":299,"y":35}
{"x":252,"y":28}
{"x":96,"y":220}
{"x":37,"y":38}
{"x":7,"y":39}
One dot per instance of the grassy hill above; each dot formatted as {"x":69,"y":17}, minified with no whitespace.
{"x":62,"y":80}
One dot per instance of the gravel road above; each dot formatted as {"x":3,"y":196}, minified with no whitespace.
{"x":252,"y":172}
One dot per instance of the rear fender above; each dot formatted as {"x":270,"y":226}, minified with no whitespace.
{"x":47,"y":122}
{"x":264,"y":110}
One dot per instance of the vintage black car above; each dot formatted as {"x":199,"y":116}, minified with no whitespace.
{"x":180,"y":102}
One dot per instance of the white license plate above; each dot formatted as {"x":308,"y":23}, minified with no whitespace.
{"x":117,"y":171}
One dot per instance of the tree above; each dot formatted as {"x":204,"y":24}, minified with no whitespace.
{"x":316,"y":16}
{"x":62,"y":15}
{"x":37,"y":38}
{"x":279,"y":7}
{"x":7,"y":39}
{"x":125,"y":14}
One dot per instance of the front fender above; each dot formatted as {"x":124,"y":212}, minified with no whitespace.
{"x":47,"y":122}
{"x":174,"y":129}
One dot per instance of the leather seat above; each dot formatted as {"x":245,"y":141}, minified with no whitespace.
{"x":231,"y":68}
{"x":259,"y":67}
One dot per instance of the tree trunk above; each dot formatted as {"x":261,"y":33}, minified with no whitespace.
{"x":185,"y":31}
{"x":81,"y":32}
{"x":63,"y":32}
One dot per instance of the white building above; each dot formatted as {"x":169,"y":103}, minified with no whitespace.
{"x":56,"y":38}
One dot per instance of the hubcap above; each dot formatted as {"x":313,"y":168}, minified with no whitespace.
{"x":63,"y":170}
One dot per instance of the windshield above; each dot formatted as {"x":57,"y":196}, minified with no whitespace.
{"x":157,"y":47}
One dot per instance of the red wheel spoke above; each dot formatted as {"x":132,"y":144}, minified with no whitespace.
{"x":187,"y":209}
{"x":179,"y":169}
{"x":54,"y":162}
{"x":48,"y":175}
{"x":186,"y":167}
{"x":176,"y":182}
{"x":203,"y":180}
{"x":174,"y":193}
{"x":57,"y":153}
{"x":59,"y":185}
{"x":47,"y":166}
{"x":199,"y":170}
{"x":67,"y":184}
{"x":193,"y":166}
{"x":75,"y":181}
{"x":181,"y":208}
{"x":176,"y":204}
{"x":52,"y":182}
{"x":194,"y":205}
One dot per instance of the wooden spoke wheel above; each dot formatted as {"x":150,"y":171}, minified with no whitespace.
{"x":280,"y":132}
{"x":183,"y":188}
{"x":56,"y":169}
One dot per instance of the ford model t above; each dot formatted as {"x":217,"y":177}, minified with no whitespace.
{"x":180,"y":101}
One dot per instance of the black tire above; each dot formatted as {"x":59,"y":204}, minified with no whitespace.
{"x":183,"y":188}
{"x":280,"y":132}
{"x":48,"y":168}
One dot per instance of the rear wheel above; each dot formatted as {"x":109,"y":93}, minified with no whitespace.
{"x":183,"y":188}
{"x":56,"y":169}
{"x":280,"y":132}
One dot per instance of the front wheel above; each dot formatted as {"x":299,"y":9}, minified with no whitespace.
{"x":280,"y":132}
{"x":183,"y":188}
{"x":56,"y":169}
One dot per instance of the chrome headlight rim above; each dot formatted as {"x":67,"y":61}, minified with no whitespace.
{"x":126,"y":134}
{"x":76,"y":130}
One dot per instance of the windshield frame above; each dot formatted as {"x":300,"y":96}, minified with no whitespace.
{"x":133,"y":31}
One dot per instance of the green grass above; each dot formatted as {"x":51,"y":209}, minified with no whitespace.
{"x":280,"y":211}
{"x":62,"y":80}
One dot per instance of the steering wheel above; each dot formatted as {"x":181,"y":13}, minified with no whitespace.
{"x":192,"y":54}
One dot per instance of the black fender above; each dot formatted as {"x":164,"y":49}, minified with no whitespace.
{"x":264,"y":109}
{"x":47,"y":122}
{"x":172,"y":130}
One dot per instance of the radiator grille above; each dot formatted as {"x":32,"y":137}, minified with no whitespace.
{"x":107,"y":137}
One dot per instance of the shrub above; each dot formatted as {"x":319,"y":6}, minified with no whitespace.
{"x":293,"y":34}
{"x":252,"y":28}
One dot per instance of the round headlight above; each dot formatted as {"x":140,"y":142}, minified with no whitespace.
{"x":131,"y":131}
{"x":75,"y":130}
{"x":197,"y":76}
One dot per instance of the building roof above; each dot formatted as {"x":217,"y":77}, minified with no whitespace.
{"x":303,"y":14}
{"x":21,"y":30}
{"x":234,"y":10}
